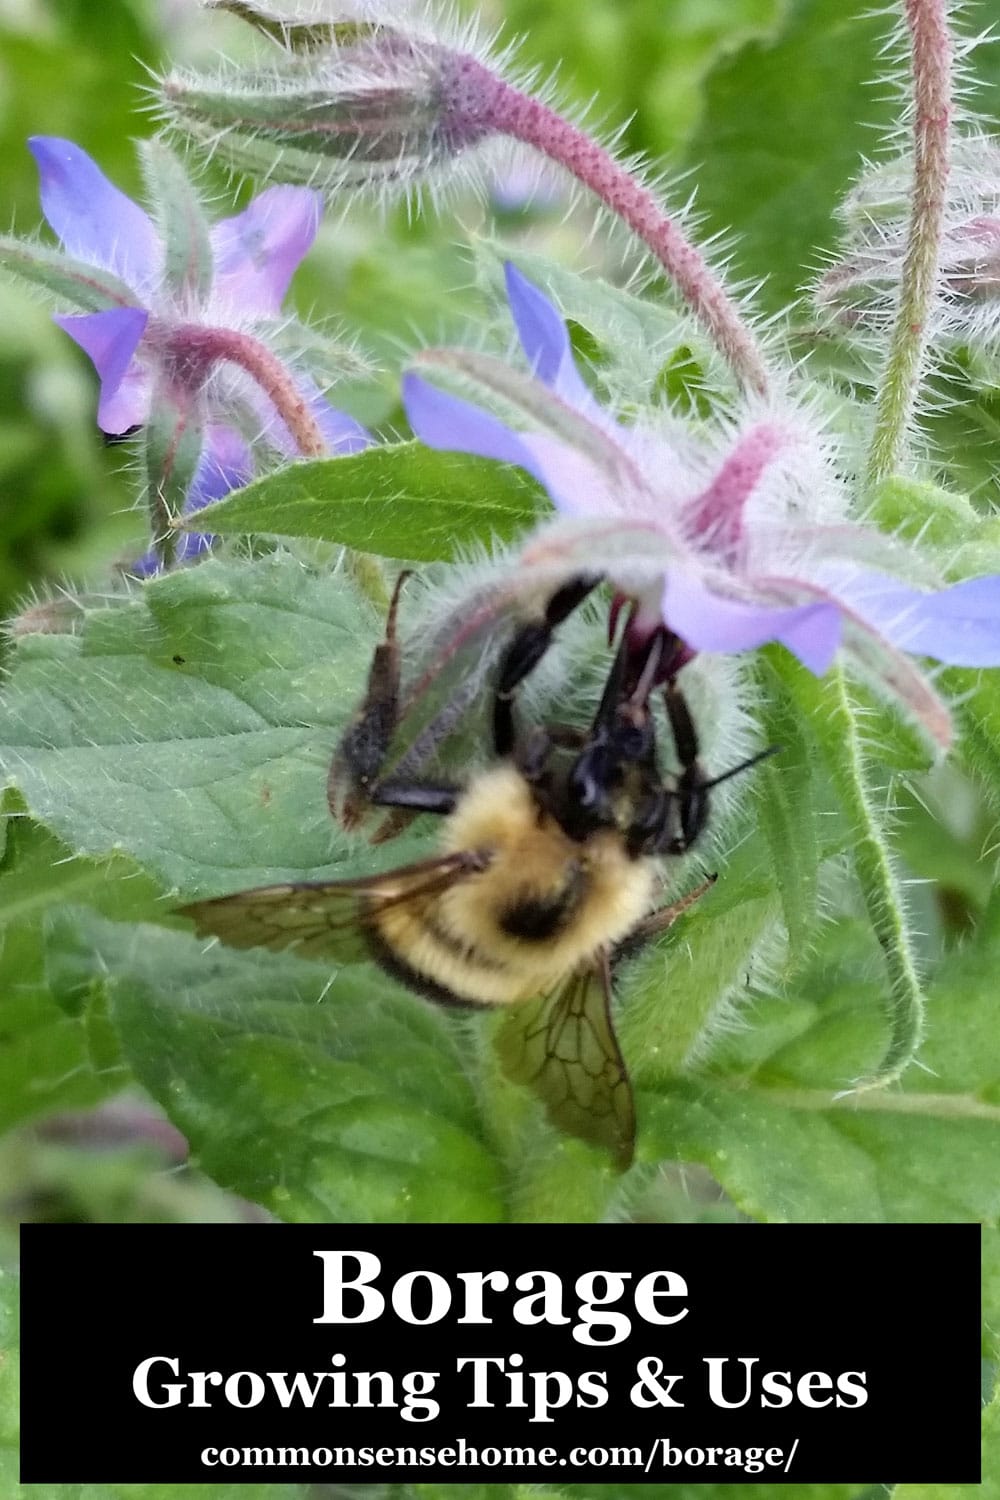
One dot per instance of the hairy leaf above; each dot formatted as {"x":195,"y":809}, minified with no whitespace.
{"x":192,"y":725}
{"x":326,"y":1098}
{"x":402,"y":500}
{"x":771,"y":165}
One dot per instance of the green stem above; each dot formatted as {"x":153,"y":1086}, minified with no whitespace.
{"x":931,"y":50}
{"x":933,"y":1106}
{"x":879,"y":886}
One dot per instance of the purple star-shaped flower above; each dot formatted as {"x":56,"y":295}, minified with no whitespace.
{"x":730,"y":541}
{"x":136,"y":338}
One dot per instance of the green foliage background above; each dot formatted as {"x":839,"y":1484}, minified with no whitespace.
{"x":334,"y":1099}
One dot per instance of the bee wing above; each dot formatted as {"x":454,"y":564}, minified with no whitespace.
{"x":563,"y":1047}
{"x":324,"y":919}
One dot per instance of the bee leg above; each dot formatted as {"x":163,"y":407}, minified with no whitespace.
{"x":692,"y":785}
{"x":364,"y":747}
{"x":666,"y":916}
{"x":419,"y":796}
{"x":526,"y":649}
{"x":659,"y":921}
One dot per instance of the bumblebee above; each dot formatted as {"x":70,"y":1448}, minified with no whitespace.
{"x":546,"y":873}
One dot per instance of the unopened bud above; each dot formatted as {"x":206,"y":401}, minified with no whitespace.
{"x":375,"y":106}
{"x":860,"y":288}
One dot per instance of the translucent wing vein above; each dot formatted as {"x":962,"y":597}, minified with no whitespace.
{"x":563,"y":1047}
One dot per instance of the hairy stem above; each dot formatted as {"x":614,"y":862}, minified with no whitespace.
{"x":931,"y":50}
{"x":513,"y":113}
{"x":197,"y":348}
{"x":879,"y":886}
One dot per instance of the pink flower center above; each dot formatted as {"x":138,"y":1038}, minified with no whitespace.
{"x":715,"y":517}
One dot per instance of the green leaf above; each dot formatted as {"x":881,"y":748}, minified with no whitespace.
{"x":977,"y":699}
{"x":967,"y":542}
{"x":774,"y":172}
{"x":402,"y":500}
{"x":323,"y":1098}
{"x":964,"y":424}
{"x":766,"y":1123}
{"x":49,"y":1059}
{"x":920,"y":511}
{"x":191,"y":726}
{"x":678,"y":992}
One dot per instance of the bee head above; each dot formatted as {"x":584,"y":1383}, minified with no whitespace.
{"x":614,"y":775}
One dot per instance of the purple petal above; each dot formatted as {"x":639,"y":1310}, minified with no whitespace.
{"x":129,"y":405}
{"x":95,"y":221}
{"x":448,"y":422}
{"x":575,"y":483}
{"x":343,"y":435}
{"x":226,"y":464}
{"x":545,"y":339}
{"x":709,"y":622}
{"x":145,"y":566}
{"x":258,"y":251}
{"x":959,"y":625}
{"x":111,"y":338}
{"x":193,"y":544}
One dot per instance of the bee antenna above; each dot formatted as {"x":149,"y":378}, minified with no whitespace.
{"x":744,"y":765}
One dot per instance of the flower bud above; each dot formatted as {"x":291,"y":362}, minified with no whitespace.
{"x":368,"y":105}
{"x":860,"y":288}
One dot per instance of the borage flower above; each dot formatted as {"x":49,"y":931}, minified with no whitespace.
{"x":729,"y":538}
{"x":180,"y":323}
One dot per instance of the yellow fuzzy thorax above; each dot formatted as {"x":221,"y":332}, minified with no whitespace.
{"x":455,"y":938}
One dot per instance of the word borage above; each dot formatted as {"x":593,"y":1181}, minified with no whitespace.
{"x":505,"y":1355}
